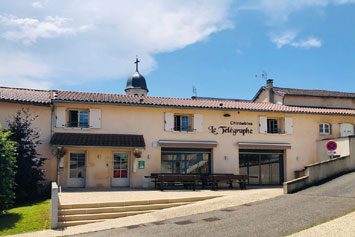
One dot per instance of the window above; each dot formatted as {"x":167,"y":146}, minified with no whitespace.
{"x":78,"y":118}
{"x":186,"y":161}
{"x":324,"y":128}
{"x":77,"y":165}
{"x":273,"y":126}
{"x":182,"y":123}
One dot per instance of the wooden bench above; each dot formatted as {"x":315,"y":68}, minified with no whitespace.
{"x":163,"y":180}
{"x":215,"y":179}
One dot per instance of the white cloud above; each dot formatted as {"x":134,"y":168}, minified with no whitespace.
{"x":278,"y":11}
{"x":37,"y":5}
{"x":106,"y":35}
{"x":283,"y":39}
{"x":28,"y":30}
{"x":311,"y":42}
{"x":24,"y":70}
{"x":288,"y":38}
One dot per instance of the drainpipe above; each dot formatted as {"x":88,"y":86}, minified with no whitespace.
{"x":58,"y":156}
{"x":269,"y":86}
{"x":52,"y":111}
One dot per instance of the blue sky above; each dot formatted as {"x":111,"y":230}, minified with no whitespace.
{"x":216,"y":46}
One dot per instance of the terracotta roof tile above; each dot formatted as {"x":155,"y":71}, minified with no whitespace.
{"x":25,"y":95}
{"x":90,"y":139}
{"x":321,"y":93}
{"x":44,"y":97}
{"x":71,"y":96}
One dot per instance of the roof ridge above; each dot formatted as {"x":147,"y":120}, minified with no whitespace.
{"x":27,"y":89}
{"x":313,"y":90}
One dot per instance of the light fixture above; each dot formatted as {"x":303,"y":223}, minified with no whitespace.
{"x":226,"y":115}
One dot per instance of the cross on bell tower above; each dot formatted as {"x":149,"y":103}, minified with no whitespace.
{"x":136,"y":84}
{"x":136,"y":62}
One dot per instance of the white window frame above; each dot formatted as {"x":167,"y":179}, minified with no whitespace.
{"x":189,"y":128}
{"x":278,"y":129}
{"x":322,"y":129}
{"x":78,"y":111}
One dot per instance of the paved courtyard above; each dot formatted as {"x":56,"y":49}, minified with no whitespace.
{"x":278,"y":216}
{"x":228,"y":199}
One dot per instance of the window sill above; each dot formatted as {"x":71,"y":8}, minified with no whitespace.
{"x":275,"y":134}
{"x":74,"y":128}
{"x":183,"y":131}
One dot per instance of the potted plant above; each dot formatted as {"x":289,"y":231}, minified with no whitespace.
{"x":137,"y":153}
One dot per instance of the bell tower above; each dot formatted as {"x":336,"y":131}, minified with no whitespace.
{"x":136,"y":84}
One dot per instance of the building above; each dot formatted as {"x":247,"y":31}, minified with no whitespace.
{"x":114,"y":140}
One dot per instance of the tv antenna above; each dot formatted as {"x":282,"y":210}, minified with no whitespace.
{"x":194,"y":91}
{"x":263,"y":75}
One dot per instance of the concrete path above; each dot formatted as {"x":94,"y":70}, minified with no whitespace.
{"x":229,"y":198}
{"x":342,"y":226}
{"x":73,"y":196}
{"x":279,"y":216}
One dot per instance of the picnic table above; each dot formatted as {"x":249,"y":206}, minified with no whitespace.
{"x":162,"y":180}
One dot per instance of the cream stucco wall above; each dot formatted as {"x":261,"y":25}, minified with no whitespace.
{"x":343,"y":148}
{"x":149,"y":121}
{"x":43,"y":123}
{"x":264,"y":97}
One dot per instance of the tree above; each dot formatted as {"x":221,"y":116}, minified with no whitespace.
{"x":7,"y":171}
{"x":29,"y":170}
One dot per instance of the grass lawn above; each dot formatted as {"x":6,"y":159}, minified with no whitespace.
{"x":27,"y":217}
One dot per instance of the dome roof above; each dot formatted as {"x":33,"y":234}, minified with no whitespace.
{"x":136,"y":81}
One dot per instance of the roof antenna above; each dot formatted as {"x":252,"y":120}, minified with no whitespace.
{"x":136,"y":62}
{"x":263,"y":75}
{"x":194,"y":91}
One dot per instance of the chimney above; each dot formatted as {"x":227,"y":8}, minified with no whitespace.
{"x":269,"y":86}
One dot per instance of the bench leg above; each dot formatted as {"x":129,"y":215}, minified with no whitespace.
{"x":231,"y":185}
{"x":214,"y":186}
{"x":193,"y":187}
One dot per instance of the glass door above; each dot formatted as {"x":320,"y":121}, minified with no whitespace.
{"x":262,"y":166}
{"x":120,"y":174}
{"x":77,"y":169}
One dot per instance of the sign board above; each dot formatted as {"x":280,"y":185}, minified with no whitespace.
{"x":331,"y":153}
{"x":141,"y":164}
{"x":331,"y":146}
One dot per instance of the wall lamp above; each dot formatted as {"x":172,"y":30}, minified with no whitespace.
{"x":226,"y":115}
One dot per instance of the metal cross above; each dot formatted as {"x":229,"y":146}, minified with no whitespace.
{"x":136,"y":62}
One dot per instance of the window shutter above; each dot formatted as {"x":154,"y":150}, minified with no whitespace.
{"x":288,"y":125}
{"x":198,"y":122}
{"x":60,"y":117}
{"x":330,"y":129}
{"x":95,"y":118}
{"x":262,"y":124}
{"x":169,"y":121}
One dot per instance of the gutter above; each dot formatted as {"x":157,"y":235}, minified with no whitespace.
{"x":205,"y":108}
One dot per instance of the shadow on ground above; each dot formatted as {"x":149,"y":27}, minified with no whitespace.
{"x":8,"y":221}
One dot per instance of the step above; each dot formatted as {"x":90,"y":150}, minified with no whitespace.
{"x":78,"y":217}
{"x":118,"y":209}
{"x":63,"y":224}
{"x":134,"y":203}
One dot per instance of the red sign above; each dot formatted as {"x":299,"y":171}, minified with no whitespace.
{"x":332,"y":146}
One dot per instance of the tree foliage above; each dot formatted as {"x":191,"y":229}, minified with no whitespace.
{"x":29,"y":170}
{"x":7,"y":171}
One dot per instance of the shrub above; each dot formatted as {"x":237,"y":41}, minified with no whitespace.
{"x":7,"y":171}
{"x":29,"y":170}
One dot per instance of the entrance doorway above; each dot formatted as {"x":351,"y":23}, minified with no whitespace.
{"x":262,"y":166}
{"x":120,"y":174}
{"x":77,"y":169}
